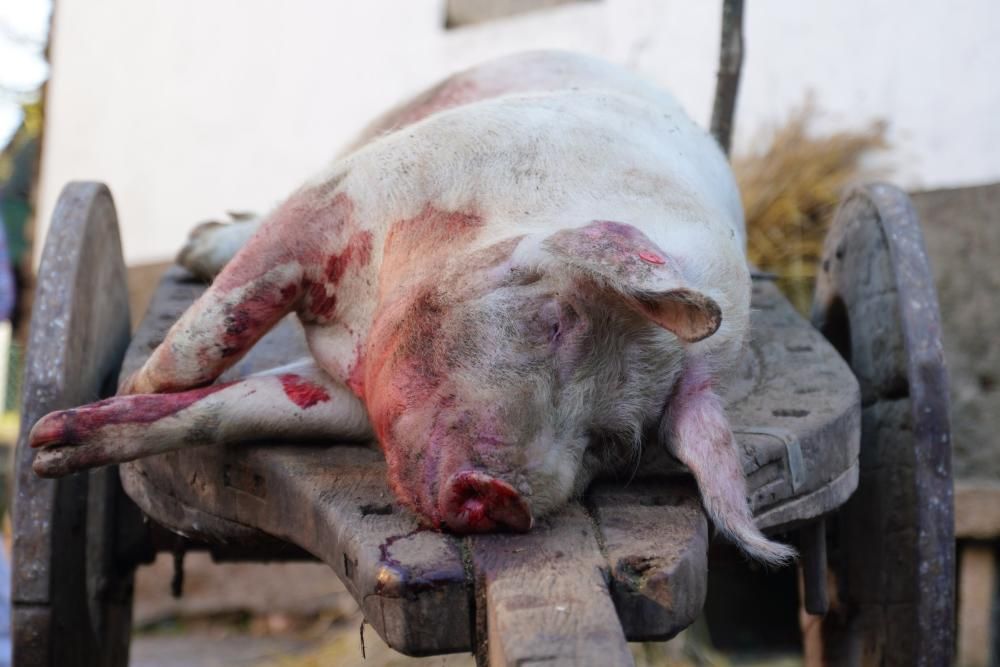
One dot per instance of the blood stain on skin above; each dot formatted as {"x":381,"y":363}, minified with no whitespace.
{"x":303,"y":217}
{"x":356,"y":373}
{"x":247,"y":321}
{"x":429,"y":232}
{"x":404,"y":369}
{"x":302,"y":392}
{"x":321,"y":294}
{"x":74,"y":426}
{"x":321,"y":305}
{"x":651,"y":257}
{"x":357,"y":251}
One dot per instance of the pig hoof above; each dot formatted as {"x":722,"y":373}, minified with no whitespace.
{"x":61,"y":461}
{"x":199,"y":254}
{"x":51,"y":433}
{"x":51,"y":463}
{"x":212,"y":244}
{"x":65,"y":445}
{"x":49,"y":430}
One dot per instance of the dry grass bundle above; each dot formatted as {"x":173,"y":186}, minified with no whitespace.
{"x":790,"y":187}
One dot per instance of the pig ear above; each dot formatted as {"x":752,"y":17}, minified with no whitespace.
{"x":621,"y":258}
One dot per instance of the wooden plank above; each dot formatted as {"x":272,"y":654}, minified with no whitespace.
{"x":542,"y":597}
{"x":813,"y":568}
{"x":977,"y":510}
{"x":655,"y":539}
{"x":977,"y":596}
{"x":795,"y":411}
{"x":31,"y":633}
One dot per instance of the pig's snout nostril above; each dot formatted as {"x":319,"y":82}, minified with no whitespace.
{"x":474,"y":502}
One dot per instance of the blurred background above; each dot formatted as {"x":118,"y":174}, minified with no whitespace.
{"x":188,"y":109}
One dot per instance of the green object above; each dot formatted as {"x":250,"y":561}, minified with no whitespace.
{"x":18,"y":166}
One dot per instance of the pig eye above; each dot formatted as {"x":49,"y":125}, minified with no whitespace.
{"x":558,"y":318}
{"x":522,"y":277}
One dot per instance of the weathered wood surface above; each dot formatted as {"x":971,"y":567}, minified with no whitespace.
{"x":727,"y":78}
{"x":71,"y":600}
{"x":425,"y":592}
{"x":543,"y":598}
{"x":795,"y":410}
{"x":896,"y":573}
{"x":977,"y":595}
{"x":977,"y":510}
{"x":655,"y":568}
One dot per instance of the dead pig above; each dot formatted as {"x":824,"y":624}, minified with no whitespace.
{"x":515,"y":281}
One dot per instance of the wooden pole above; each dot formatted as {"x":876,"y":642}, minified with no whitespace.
{"x":728,"y":78}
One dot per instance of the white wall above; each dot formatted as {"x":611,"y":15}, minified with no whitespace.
{"x":189,"y":107}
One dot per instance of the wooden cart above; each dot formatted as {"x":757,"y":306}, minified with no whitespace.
{"x":856,"y":404}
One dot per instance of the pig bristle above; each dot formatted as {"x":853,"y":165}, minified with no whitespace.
{"x":753,"y":543}
{"x":769,"y":552}
{"x":731,"y":515}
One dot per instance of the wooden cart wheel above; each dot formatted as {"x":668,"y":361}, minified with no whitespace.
{"x":71,"y":595}
{"x":893,"y":550}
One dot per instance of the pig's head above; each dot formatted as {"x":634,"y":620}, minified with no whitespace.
{"x":501,"y":380}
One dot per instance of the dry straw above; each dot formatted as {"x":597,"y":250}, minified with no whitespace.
{"x":790,"y":186}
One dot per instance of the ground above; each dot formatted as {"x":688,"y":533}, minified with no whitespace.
{"x":254,"y":614}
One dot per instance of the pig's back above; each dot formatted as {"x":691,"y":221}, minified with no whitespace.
{"x":560,"y":74}
{"x":533,"y":71}
{"x":529,"y":72}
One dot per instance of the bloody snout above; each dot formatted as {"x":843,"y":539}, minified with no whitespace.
{"x":474,"y":502}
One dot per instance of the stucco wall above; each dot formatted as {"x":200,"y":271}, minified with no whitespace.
{"x":187,"y":108}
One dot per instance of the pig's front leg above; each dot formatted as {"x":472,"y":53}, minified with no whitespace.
{"x":697,"y":432}
{"x":298,"y":402}
{"x":261,"y":284}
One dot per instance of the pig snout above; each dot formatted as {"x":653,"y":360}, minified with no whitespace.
{"x":475,"y":502}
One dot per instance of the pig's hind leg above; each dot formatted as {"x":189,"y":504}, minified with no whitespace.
{"x":299,"y":402}
{"x":697,"y":432}
{"x":211,"y":245}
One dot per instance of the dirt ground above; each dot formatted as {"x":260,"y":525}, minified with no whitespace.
{"x":254,"y":614}
{"x":294,"y":615}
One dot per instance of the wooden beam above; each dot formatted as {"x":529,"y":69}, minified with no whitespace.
{"x":977,"y":510}
{"x":727,"y":83}
{"x":976,"y":597}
